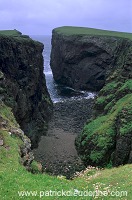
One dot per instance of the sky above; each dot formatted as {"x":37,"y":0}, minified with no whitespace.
{"x":39,"y":17}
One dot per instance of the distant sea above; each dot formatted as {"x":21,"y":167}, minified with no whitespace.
{"x":57,"y":92}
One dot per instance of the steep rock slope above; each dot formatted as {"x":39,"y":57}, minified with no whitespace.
{"x":83,"y":58}
{"x":10,"y":130}
{"x":22,"y":83}
{"x":106,"y":139}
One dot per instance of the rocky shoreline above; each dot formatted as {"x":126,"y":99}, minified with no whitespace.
{"x":56,"y":150}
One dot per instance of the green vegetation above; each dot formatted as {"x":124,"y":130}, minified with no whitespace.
{"x":70,"y":30}
{"x":36,"y":167}
{"x":6,"y":114}
{"x":101,"y":131}
{"x":111,"y":124}
{"x":13,"y":33}
{"x":46,"y":98}
{"x":10,"y":32}
{"x":113,"y":105}
{"x":15,"y":179}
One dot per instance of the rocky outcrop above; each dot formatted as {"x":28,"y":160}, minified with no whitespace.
{"x":9,"y":126}
{"x":22,"y":84}
{"x":107,"y":139}
{"x":83,"y":61}
{"x":13,"y":140}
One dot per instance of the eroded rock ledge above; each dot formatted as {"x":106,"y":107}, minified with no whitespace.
{"x":22,"y":84}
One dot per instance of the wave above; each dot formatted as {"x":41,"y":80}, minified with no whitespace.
{"x":48,"y":73}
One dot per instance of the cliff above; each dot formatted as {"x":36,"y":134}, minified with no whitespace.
{"x":83,"y":58}
{"x":106,"y":139}
{"x":92,"y":59}
{"x":9,"y":131}
{"x":22,"y":83}
{"x":16,"y":181}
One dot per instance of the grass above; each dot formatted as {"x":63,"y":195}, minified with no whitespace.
{"x":6,"y":114}
{"x":17,"y":183}
{"x":70,"y":30}
{"x":101,"y":131}
{"x":13,"y":33}
{"x":112,"y":117}
{"x":14,"y":178}
{"x":10,"y":32}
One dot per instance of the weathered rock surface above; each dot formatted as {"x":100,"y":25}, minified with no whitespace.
{"x":10,"y":126}
{"x":94,"y":62}
{"x":22,"y":84}
{"x":107,"y":138}
{"x":84,"y":61}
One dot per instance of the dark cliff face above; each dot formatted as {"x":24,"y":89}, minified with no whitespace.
{"x":22,"y":84}
{"x":104,"y":63}
{"x":107,"y":139}
{"x":84,"y":61}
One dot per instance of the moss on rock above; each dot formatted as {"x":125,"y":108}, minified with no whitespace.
{"x":107,"y":137}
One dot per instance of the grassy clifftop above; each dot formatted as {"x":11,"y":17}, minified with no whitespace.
{"x":71,"y":30}
{"x":83,"y":58}
{"x":13,"y":33}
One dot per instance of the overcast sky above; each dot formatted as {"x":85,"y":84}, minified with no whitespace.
{"x":35,"y":17}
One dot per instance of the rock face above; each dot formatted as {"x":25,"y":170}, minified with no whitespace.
{"x":107,"y":139}
{"x":22,"y":84}
{"x":83,"y":61}
{"x":10,"y":134}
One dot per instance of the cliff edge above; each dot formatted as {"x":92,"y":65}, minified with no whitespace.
{"x":22,"y":83}
{"x":83,"y":58}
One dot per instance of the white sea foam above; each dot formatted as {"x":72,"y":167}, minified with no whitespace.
{"x":54,"y":89}
{"x":48,"y":73}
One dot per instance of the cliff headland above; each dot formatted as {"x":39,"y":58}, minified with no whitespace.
{"x":83,"y":58}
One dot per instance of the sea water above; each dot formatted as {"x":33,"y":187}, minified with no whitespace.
{"x":58,"y":92}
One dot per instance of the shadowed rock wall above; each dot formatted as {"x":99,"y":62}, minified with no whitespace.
{"x":22,"y":84}
{"x":101,"y":63}
{"x":84,"y":61}
{"x":106,"y":139}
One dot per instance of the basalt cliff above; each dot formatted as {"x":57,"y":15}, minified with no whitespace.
{"x":22,"y":83}
{"x":98,"y":60}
